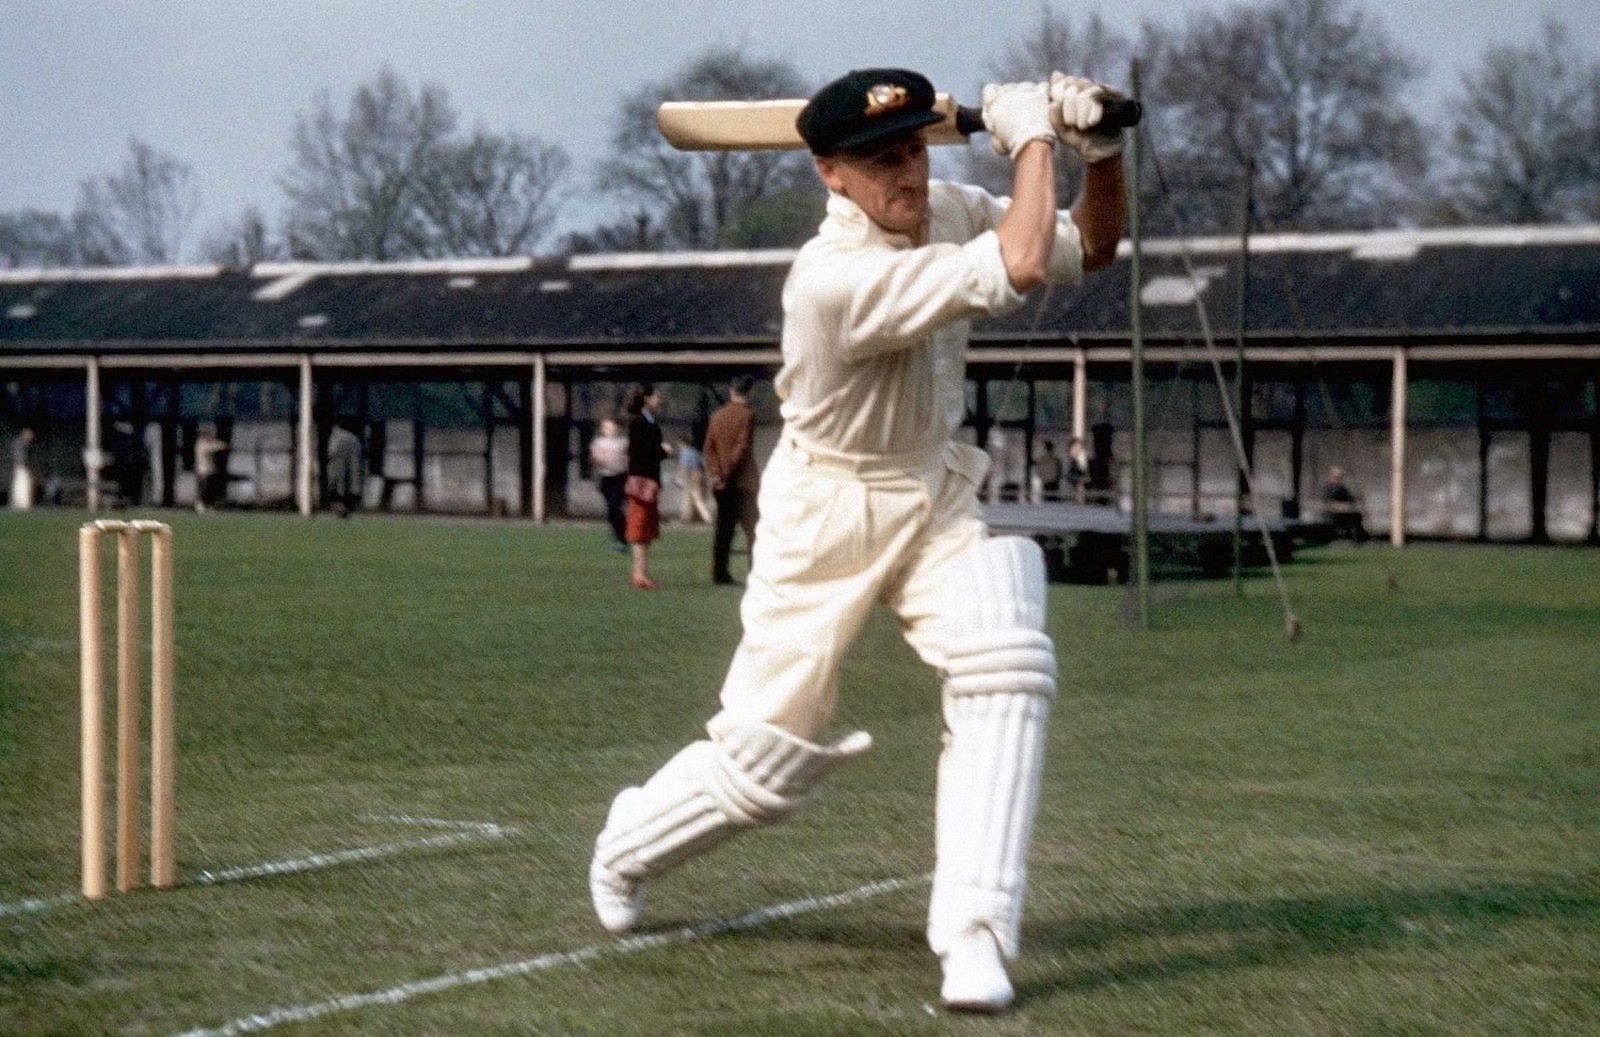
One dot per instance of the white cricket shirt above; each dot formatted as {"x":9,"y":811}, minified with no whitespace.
{"x":875,"y":330}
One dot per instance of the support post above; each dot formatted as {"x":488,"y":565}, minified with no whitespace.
{"x":91,"y":435}
{"x":169,"y":442}
{"x":1483,"y":459}
{"x":1397,"y":452}
{"x":1594,"y":460}
{"x":541,"y":460}
{"x":1141,"y":501}
{"x":486,"y":405}
{"x":307,"y":440}
{"x":1539,"y":437}
{"x":1024,"y":491}
{"x":525,"y":450}
{"x":419,"y":459}
{"x":1241,"y":393}
{"x":1297,"y":444}
{"x":1080,"y":396}
{"x":1196,"y":508}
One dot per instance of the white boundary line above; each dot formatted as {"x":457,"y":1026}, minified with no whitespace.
{"x":545,"y":962}
{"x":462,"y":832}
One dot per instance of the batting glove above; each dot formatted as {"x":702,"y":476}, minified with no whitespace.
{"x":1015,"y":114}
{"x":1076,"y":106}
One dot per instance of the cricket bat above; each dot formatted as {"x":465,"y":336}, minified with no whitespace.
{"x":769,"y":125}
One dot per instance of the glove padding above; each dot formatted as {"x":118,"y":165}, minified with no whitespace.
{"x":1017,"y":113}
{"x":1076,"y":107}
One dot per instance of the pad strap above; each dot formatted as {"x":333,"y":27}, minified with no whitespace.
{"x":753,"y":774}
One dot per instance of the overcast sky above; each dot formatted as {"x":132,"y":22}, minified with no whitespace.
{"x":218,"y":82}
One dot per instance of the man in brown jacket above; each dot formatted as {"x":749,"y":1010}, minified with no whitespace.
{"x":735,"y":480}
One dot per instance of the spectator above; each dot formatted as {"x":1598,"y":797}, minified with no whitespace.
{"x":692,"y":479}
{"x":378,"y":462}
{"x":1050,"y":472}
{"x":21,"y":472}
{"x":608,"y":453}
{"x":735,"y":479}
{"x":1099,"y":482}
{"x":994,"y":484}
{"x":646,"y":448}
{"x":344,"y":470}
{"x":128,"y":464}
{"x":1340,"y":507}
{"x":1077,"y":466}
{"x":211,"y":482}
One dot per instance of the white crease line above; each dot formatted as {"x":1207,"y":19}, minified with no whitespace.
{"x":37,"y":904}
{"x":488,"y":827}
{"x":317,"y":861}
{"x":474,"y":831}
{"x":544,"y":962}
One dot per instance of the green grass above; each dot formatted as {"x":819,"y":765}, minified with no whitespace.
{"x":1390,"y":827}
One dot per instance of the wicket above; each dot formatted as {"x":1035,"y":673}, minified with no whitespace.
{"x":163,"y":799}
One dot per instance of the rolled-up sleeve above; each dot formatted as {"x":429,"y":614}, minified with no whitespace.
{"x":1066,"y":254}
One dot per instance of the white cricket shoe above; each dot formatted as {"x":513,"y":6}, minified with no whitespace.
{"x":975,"y":975}
{"x":618,"y":902}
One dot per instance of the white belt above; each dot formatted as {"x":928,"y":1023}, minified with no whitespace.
{"x":864,"y":466}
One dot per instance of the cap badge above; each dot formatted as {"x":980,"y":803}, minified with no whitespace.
{"x":885,"y":97}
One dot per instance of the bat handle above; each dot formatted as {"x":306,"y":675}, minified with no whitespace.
{"x":1121,"y":113}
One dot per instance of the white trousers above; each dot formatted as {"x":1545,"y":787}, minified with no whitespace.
{"x":21,"y":488}
{"x":838,"y":534}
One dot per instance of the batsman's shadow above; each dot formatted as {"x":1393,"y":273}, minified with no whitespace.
{"x":1115,"y":949}
{"x":1236,"y":934}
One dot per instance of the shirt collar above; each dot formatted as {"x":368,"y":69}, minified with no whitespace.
{"x":849,"y":222}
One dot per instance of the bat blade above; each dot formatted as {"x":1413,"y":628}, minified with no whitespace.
{"x":763,"y":125}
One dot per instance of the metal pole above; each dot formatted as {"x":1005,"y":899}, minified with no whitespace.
{"x":91,"y":435}
{"x":1397,"y":457}
{"x":540,"y":450}
{"x":307,"y":442}
{"x":1141,"y":501}
{"x":1238,"y":370}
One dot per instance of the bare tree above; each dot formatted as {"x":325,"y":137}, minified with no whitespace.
{"x":33,"y":238}
{"x":492,"y":194}
{"x":1091,"y":48}
{"x":140,"y":214}
{"x":243,"y":242}
{"x":636,"y":233}
{"x":391,"y":178}
{"x":1312,"y":90}
{"x":1524,"y":145}
{"x":356,"y":182}
{"x":706,"y":199}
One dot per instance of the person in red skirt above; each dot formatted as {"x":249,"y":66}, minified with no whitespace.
{"x":646,"y":448}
